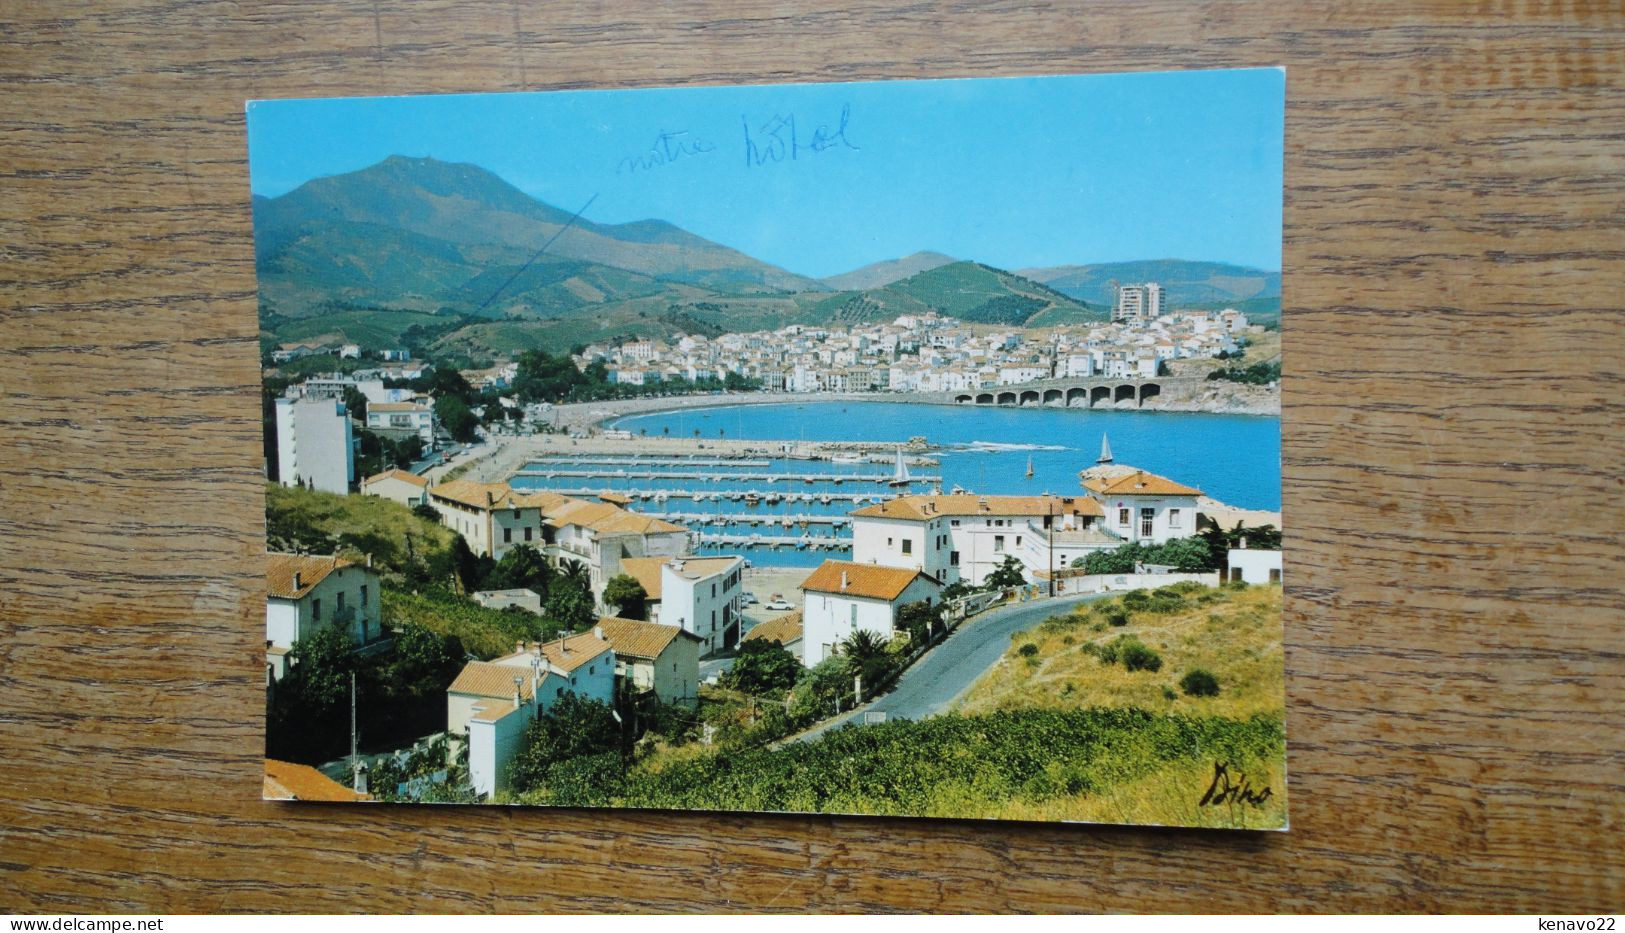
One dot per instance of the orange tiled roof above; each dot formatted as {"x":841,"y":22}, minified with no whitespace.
{"x":312,"y":569}
{"x":1138,"y":483}
{"x":489,"y":679}
{"x":633,"y":639}
{"x":784,"y":629}
{"x":869,"y":581}
{"x":399,"y":474}
{"x":921,"y":508}
{"x":575,"y":651}
{"x":645,"y":570}
{"x":285,"y":780}
{"x":495,"y":496}
{"x":605,"y":518}
{"x":491,"y":710}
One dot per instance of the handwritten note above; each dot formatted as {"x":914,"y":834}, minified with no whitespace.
{"x":780,"y":139}
{"x":668,"y":147}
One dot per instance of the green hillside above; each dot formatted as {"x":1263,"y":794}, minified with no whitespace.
{"x":420,"y":233}
{"x":982,"y":294}
{"x":1186,"y":283}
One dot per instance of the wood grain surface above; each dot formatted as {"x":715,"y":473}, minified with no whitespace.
{"x":1453,"y":278}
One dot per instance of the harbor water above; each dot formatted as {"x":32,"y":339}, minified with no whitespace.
{"x":797,"y":513}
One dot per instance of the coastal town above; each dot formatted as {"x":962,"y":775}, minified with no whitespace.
{"x":837,"y":479}
{"x":644,"y":608}
{"x":912,"y":353}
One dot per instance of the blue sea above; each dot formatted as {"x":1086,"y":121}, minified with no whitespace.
{"x":1233,"y":458}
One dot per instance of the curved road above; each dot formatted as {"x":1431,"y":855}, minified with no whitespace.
{"x":950,"y":668}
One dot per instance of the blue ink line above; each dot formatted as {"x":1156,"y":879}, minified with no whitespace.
{"x":538,"y":254}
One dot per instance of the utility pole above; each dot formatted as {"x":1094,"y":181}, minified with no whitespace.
{"x":1050,"y":540}
{"x":355,"y":760}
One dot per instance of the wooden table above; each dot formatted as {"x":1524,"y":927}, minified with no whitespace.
{"x":1454,"y":257}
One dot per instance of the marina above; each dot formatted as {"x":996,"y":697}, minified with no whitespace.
{"x":791,"y":508}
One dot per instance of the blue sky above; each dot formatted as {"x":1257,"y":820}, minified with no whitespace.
{"x":1012,"y":172}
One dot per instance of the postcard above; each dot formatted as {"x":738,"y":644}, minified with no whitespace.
{"x":904,"y":447}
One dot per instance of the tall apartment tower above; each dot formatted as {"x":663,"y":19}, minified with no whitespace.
{"x":1138,"y":302}
{"x":315,"y":444}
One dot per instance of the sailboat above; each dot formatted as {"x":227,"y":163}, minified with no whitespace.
{"x":1105,"y":450}
{"x":1029,"y":466}
{"x":900,"y":475}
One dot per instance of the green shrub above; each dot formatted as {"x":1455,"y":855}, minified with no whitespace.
{"x":1199,"y":683}
{"x":1134,"y":654}
{"x":1168,"y":693}
{"x":1028,"y":650}
{"x":1117,"y":617}
{"x":1138,"y":657}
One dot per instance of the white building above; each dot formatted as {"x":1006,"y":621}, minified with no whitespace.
{"x":1138,"y":302}
{"x":695,"y":594}
{"x":517,"y":598}
{"x":491,"y":517}
{"x":1254,"y":565}
{"x":491,"y":702}
{"x":1141,"y":506}
{"x":315,"y":445}
{"x":965,"y":537}
{"x":408,"y":489}
{"x":306,"y":592}
{"x":603,"y":535}
{"x":654,"y":658}
{"x":402,"y":419}
{"x":842,"y":597}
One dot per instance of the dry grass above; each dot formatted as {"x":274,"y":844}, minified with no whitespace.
{"x":1169,"y":796}
{"x":1235,"y":634}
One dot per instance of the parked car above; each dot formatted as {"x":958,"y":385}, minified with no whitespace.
{"x":778,"y":603}
{"x":748,"y":599}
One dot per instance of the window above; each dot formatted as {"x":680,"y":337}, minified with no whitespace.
{"x":315,"y":610}
{"x":340,"y":607}
{"x":363,"y":594}
{"x":713,"y":591}
{"x":954,"y":523}
{"x":888,"y":542}
{"x":998,"y":544}
{"x":1146,"y":517}
{"x":854,"y":613}
{"x":592,"y":669}
{"x":1122,"y":516}
{"x":1275,"y":575}
{"x":1235,"y":574}
{"x":527,"y":534}
{"x":953,"y":558}
{"x":1018,"y":540}
{"x":1173,"y":518}
{"x":908,"y":546}
{"x":507,"y":535}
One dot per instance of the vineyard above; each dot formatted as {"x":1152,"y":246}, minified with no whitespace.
{"x":1028,"y":764}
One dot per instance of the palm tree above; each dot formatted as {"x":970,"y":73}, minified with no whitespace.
{"x":574,"y":571}
{"x":866,"y":655}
